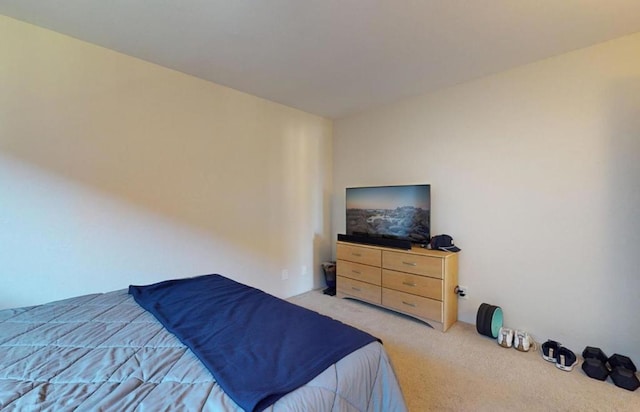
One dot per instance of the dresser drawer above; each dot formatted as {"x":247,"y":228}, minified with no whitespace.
{"x":412,"y":304}
{"x":414,"y":284}
{"x":359,"y":254}
{"x":357,"y":289}
{"x":358,"y":271}
{"x":419,"y":265}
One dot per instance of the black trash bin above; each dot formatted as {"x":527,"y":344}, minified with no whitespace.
{"x":329,"y":269}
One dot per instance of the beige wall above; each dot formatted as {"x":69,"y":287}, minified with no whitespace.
{"x":535,"y":172}
{"x":116,"y":171}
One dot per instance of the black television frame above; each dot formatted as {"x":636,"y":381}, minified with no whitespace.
{"x":381,"y":213}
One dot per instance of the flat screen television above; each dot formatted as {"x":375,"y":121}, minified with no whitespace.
{"x":393,"y":212}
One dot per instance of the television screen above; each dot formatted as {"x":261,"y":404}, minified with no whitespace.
{"x":398,"y":212}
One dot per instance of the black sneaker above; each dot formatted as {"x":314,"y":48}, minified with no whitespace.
{"x":566,"y":359}
{"x":550,"y":351}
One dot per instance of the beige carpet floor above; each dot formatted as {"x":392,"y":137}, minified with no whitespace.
{"x":461,"y":370}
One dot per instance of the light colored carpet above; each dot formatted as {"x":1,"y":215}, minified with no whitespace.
{"x":461,"y":370}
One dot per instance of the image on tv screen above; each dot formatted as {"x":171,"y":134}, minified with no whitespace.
{"x":400,"y":212}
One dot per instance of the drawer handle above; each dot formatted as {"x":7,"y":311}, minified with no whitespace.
{"x":409,"y":304}
{"x":409,"y":263}
{"x":357,"y":272}
{"x":408,"y":283}
{"x":356,"y":254}
{"x":356,"y":289}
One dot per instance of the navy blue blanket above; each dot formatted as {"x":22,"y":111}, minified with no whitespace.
{"x":257,"y":347}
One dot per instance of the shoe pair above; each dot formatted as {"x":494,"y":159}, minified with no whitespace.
{"x":563,"y":357}
{"x":519,"y":339}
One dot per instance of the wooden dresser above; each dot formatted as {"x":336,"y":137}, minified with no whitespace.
{"x":418,"y":282}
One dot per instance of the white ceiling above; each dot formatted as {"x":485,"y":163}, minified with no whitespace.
{"x":335,"y":57}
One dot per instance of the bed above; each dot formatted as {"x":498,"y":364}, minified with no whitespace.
{"x":107,"y":352}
